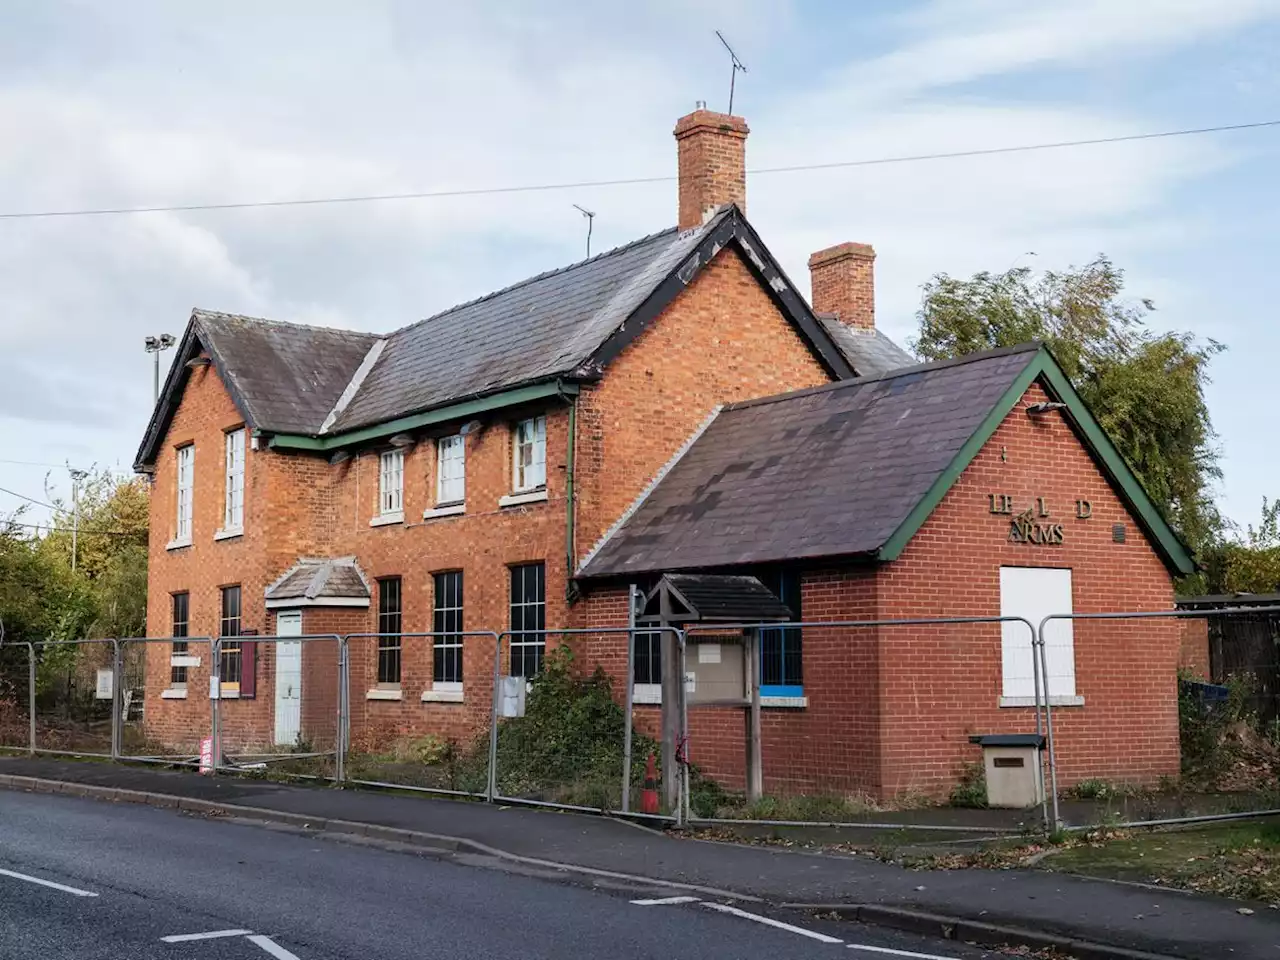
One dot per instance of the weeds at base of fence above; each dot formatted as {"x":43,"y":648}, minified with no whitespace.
{"x":971,"y":790}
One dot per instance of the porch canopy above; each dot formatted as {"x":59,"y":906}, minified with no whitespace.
{"x":711,"y":598}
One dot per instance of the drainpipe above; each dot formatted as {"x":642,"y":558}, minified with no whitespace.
{"x":571,"y":593}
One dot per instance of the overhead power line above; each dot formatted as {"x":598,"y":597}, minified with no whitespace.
{"x":35,"y":463}
{"x":82,"y":531}
{"x":23,"y":496}
{"x":628,"y":181}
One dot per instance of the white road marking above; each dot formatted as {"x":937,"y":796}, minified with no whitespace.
{"x":273,"y":948}
{"x":898,"y":953}
{"x":767,"y":921}
{"x":663,"y":901}
{"x":48,"y":883}
{"x":212,"y":935}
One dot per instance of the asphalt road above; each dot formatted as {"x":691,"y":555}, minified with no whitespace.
{"x":128,"y":877}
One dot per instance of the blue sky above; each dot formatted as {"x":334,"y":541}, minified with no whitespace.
{"x":144,"y":103}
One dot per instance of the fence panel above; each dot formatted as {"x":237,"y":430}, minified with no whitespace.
{"x":75,"y":684}
{"x":164,"y":699}
{"x":863,"y":723}
{"x":1161,"y":729}
{"x":278,"y":705}
{"x":17,"y":671}
{"x":420,"y":708}
{"x":564,"y":737}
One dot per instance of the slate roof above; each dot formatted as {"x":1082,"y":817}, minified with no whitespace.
{"x":869,"y":352}
{"x":319,"y":578}
{"x":728,"y":597}
{"x":284,"y":374}
{"x":314,"y":382}
{"x":831,"y":471}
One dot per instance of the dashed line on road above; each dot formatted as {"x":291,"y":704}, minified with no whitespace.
{"x":273,"y":948}
{"x":211,"y":935}
{"x":74,"y":891}
{"x":664,"y":901}
{"x":770,"y":922}
{"x":897,"y":953}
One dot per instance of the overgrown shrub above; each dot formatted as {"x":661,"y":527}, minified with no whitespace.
{"x":1222,"y":746}
{"x":568,"y":745}
{"x":971,"y":791}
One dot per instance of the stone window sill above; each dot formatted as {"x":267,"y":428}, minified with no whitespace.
{"x":443,"y":693}
{"x":386,"y":519}
{"x":646,"y":693}
{"x":516,"y":499}
{"x":174,"y":693}
{"x":790,"y":703}
{"x":178,"y":544}
{"x":1076,"y":700}
{"x":229,"y":534}
{"x":229,"y":691}
{"x":448,"y":510}
{"x":378,"y":693}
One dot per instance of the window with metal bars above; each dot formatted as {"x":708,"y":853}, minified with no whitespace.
{"x":780,"y":647}
{"x":528,"y":618}
{"x":181,"y":621}
{"x":648,"y":658}
{"x":230,"y":664}
{"x":446,"y":624}
{"x":389,"y":618}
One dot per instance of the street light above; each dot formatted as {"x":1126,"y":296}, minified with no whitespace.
{"x":157,"y":345}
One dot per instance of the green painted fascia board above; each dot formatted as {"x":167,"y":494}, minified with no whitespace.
{"x":454,"y":411}
{"x":1042,"y":365}
{"x":894,"y":546}
{"x":1167,"y":542}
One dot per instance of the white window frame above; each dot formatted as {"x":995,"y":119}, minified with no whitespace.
{"x":1034,"y":593}
{"x":529,"y":472}
{"x":185,"y":483}
{"x":451,"y":470}
{"x":391,"y":483}
{"x":233,"y":497}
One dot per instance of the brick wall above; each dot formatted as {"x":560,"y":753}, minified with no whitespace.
{"x":941,"y":684}
{"x":1193,"y":647}
{"x":721,"y":340}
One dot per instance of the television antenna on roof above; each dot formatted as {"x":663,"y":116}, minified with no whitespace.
{"x":591,"y":217}
{"x":737,"y":65}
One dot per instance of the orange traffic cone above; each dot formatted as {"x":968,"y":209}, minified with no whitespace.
{"x":649,"y":795}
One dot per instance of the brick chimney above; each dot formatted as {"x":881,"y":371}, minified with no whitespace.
{"x":712,"y":149}
{"x":843,"y":283}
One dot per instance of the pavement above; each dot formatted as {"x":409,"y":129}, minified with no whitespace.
{"x":1082,"y":917}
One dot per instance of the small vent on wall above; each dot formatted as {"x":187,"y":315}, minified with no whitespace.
{"x":1117,"y":532}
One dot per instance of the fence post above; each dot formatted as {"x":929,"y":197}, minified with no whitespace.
{"x":215,"y":702}
{"x":31,"y":695}
{"x":340,"y":736}
{"x":1035,"y":678}
{"x":1048,"y":725}
{"x":491,"y":789}
{"x":682,"y":809}
{"x":629,"y":682}
{"x":117,"y":700}
{"x":755,"y":751}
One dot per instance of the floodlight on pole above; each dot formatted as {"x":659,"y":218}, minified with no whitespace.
{"x":157,"y":345}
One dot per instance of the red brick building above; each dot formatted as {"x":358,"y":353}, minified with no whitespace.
{"x":504,"y":464}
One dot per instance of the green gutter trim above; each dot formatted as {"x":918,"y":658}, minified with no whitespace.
{"x":454,"y":411}
{"x":1043,"y":366}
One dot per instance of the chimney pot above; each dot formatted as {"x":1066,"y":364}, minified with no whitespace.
{"x":843,"y":283}
{"x":712,"y":152}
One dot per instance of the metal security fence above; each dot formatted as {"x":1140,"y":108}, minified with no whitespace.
{"x":568,"y":731}
{"x":420,"y":706}
{"x":1143,"y":737}
{"x":278,"y":705}
{"x":859,"y":722}
{"x":74,"y":697}
{"x":17,"y":696}
{"x":164,"y":711}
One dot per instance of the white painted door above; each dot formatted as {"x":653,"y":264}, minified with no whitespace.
{"x":288,"y":678}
